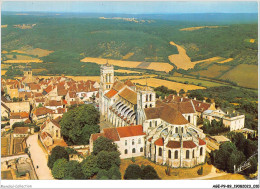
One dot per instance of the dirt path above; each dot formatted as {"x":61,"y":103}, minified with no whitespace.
{"x":39,"y":158}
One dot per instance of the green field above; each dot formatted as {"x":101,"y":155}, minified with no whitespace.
{"x":203,"y":83}
{"x":244,"y":75}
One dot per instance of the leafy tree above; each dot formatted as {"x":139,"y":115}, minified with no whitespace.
{"x":104,"y":144}
{"x":79,"y":123}
{"x":57,"y":152}
{"x":59,"y":168}
{"x":149,"y":173}
{"x":223,"y":154}
{"x":102,"y":173}
{"x":181,"y":92}
{"x":114,"y":173}
{"x":71,"y":150}
{"x":235,"y":158}
{"x":133,"y":172}
{"x":14,"y":56}
{"x":74,"y":170}
{"x":107,"y":159}
{"x":253,"y":168}
{"x":89,"y":166}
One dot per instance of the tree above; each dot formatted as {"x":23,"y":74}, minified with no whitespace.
{"x":114,"y":173}
{"x":181,"y":92}
{"x":104,"y":144}
{"x":235,"y":158}
{"x":223,"y":154}
{"x":74,"y":170}
{"x":14,"y":56}
{"x":59,"y":168}
{"x":89,"y":166}
{"x":133,"y":172}
{"x":57,"y":152}
{"x":79,"y":123}
{"x":149,"y":173}
{"x":102,"y":173}
{"x":107,"y":159}
{"x":208,"y":100}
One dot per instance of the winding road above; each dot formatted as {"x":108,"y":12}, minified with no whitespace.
{"x":39,"y":158}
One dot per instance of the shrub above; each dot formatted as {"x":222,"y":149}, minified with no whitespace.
{"x":200,"y":171}
{"x":133,"y":172}
{"x":57,"y":152}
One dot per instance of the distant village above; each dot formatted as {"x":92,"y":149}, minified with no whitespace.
{"x":166,"y":131}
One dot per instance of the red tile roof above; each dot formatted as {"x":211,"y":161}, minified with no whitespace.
{"x":45,"y":135}
{"x":129,"y":95}
{"x":96,"y":136}
{"x":19,"y":115}
{"x":129,"y":83}
{"x":111,"y":93}
{"x":159,"y":142}
{"x":42,"y":111}
{"x":173,"y":144}
{"x":111,"y":133}
{"x":21,"y":130}
{"x":189,"y":144}
{"x":201,"y":142}
{"x":118,"y":85}
{"x":130,"y":131}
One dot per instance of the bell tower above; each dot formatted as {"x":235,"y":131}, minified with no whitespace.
{"x":106,"y":83}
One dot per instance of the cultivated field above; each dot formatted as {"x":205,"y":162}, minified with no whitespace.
{"x":126,"y":71}
{"x":154,"y":82}
{"x":38,"y":70}
{"x":36,"y":52}
{"x":3,"y":72}
{"x":212,"y":71}
{"x":244,"y":75}
{"x":199,"y":27}
{"x":197,"y":81}
{"x":182,"y":60}
{"x":158,"y":66}
{"x":22,"y":61}
{"x":225,"y":61}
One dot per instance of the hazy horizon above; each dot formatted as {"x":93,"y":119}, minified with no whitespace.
{"x":133,"y":7}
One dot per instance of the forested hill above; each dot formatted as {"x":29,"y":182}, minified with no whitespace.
{"x":146,"y":38}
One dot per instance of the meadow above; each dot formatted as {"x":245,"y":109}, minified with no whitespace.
{"x":244,"y":75}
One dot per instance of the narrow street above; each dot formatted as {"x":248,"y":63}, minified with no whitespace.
{"x":39,"y":158}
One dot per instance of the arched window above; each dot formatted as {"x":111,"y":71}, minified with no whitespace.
{"x":150,"y":124}
{"x":160,"y":151}
{"x":169,"y":154}
{"x":193,"y":154}
{"x":182,"y":130}
{"x":133,"y":141}
{"x":125,"y":142}
{"x":133,"y":150}
{"x":155,"y":123}
{"x":201,"y":151}
{"x":176,"y":154}
{"x":187,"y":154}
{"x":151,"y":105}
{"x":147,"y":96}
{"x":176,"y":129}
{"x":146,"y":106}
{"x":125,"y":151}
{"x":139,"y":141}
{"x":150,"y":97}
{"x":188,"y":118}
{"x":141,"y":149}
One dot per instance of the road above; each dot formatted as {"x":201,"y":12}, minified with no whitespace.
{"x":39,"y":158}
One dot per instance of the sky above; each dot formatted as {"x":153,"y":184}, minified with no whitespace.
{"x":133,"y":7}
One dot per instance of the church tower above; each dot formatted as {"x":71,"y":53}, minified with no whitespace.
{"x":28,"y":75}
{"x":106,"y":83}
{"x":145,"y":99}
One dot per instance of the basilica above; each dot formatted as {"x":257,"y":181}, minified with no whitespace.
{"x":171,"y":136}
